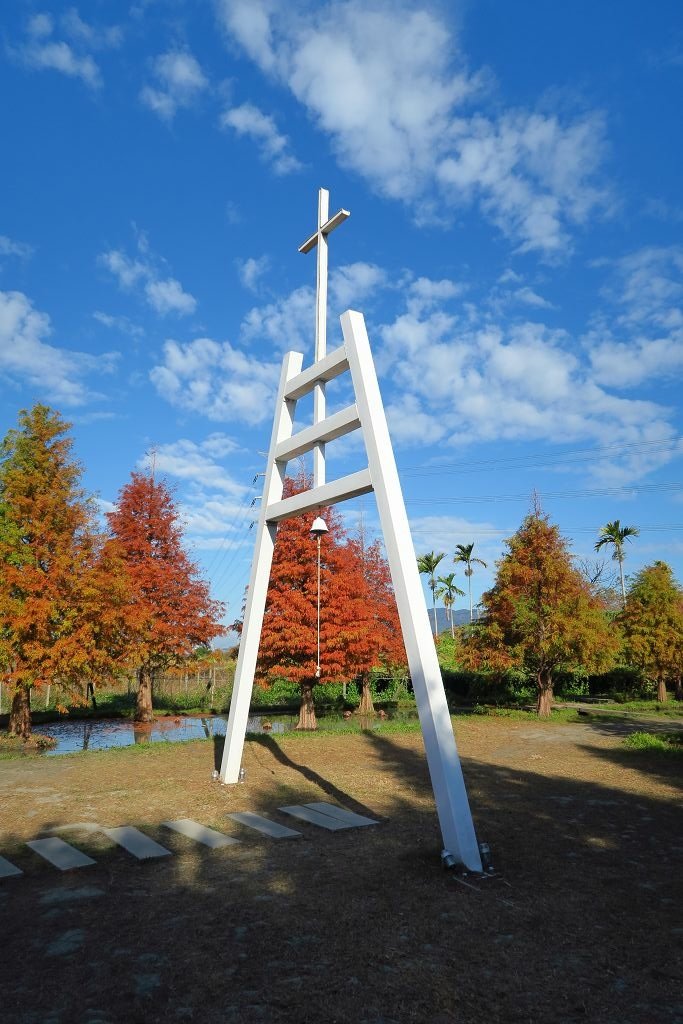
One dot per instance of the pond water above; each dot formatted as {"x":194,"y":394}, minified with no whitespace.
{"x":103,"y":733}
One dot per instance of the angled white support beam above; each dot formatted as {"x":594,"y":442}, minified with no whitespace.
{"x":448,"y":783}
{"x":258,"y":580}
{"x":345,"y":487}
{"x":325,"y":369}
{"x":381,"y":476}
{"x":340,"y":423}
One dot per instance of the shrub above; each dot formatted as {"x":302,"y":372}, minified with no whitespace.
{"x":571,"y":684}
{"x":624,"y":682}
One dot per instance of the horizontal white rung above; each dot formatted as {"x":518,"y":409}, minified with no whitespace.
{"x":340,"y":423}
{"x":328,"y":494}
{"x":325,"y":369}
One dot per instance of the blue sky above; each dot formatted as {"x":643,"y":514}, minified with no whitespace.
{"x":513,"y":174}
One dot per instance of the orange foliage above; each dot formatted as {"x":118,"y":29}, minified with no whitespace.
{"x":540,"y":615}
{"x":358,"y":620}
{"x":58,"y":594}
{"x":169,"y":609}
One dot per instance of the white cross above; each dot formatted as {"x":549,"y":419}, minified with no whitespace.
{"x":326,"y":225}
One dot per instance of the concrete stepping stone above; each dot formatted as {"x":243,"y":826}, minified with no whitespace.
{"x":200,"y":833}
{"x":8,"y":870}
{"x":350,"y":817}
{"x":314,"y":817}
{"x":136,"y":842}
{"x":265,"y":825}
{"x":62,"y":855}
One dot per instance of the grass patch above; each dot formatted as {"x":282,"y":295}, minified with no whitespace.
{"x":671,"y":709}
{"x":517,"y":714}
{"x":656,"y":743}
{"x":350,"y":729}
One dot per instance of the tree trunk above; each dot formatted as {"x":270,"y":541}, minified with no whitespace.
{"x":679,"y":687}
{"x":20,"y":713}
{"x":90,"y":692}
{"x":144,"y":712}
{"x":544,"y":681}
{"x":366,"y":707}
{"x":307,"y":719}
{"x":662,"y":695}
{"x":623,"y":585}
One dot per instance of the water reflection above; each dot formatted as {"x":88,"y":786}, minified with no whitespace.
{"x":102,"y":734}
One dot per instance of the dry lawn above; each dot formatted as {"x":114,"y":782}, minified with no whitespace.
{"x":360,"y":926}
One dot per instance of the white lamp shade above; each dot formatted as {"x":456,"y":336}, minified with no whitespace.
{"x":319,"y":527}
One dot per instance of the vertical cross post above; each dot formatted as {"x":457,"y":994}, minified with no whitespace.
{"x":325,"y":225}
{"x":320,"y":331}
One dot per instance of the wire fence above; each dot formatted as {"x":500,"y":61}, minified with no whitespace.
{"x":207,"y":686}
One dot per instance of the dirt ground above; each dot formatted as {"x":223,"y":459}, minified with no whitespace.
{"x":360,"y":926}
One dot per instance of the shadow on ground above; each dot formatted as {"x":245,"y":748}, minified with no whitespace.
{"x":363,"y":926}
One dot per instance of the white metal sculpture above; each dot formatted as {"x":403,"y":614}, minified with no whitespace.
{"x":367,"y":415}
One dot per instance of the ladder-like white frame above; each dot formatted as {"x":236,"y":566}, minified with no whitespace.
{"x":367,"y":414}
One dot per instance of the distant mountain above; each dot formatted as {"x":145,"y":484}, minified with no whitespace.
{"x":460,"y":617}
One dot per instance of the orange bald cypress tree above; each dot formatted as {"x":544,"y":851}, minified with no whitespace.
{"x":170,"y":610}
{"x":58,"y":596}
{"x":374,"y":635}
{"x":540,"y":615}
{"x":351,"y":641}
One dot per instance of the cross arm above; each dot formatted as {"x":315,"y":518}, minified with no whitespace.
{"x":326,"y":229}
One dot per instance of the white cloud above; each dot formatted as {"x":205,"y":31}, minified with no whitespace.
{"x":455,"y":373}
{"x":43,"y":50}
{"x":59,"y":56}
{"x":528,"y":297}
{"x":387,"y":83}
{"x":195,"y":462}
{"x":251,"y":270}
{"x":119,"y":323}
{"x":352,"y":283}
{"x":457,"y":380}
{"x":168,"y":297}
{"x":510,"y":276}
{"x":250,"y":122}
{"x":424,"y":294}
{"x":442,"y":533}
{"x":26,"y":359}
{"x":11,"y":248}
{"x":215,"y":380}
{"x":288,"y":324}
{"x":643,"y":337}
{"x":127,"y":271}
{"x":163,"y":294}
{"x":96,"y":38}
{"x":408,"y":421}
{"x":40,"y":25}
{"x":180,"y":81}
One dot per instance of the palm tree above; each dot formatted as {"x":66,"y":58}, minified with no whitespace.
{"x":463,"y":553}
{"x":427,"y":564}
{"x":448,"y":591}
{"x":615,"y":534}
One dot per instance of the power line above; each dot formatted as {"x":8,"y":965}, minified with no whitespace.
{"x":230,"y":530}
{"x":544,"y":461}
{"x":486,"y":531}
{"x":597,"y":492}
